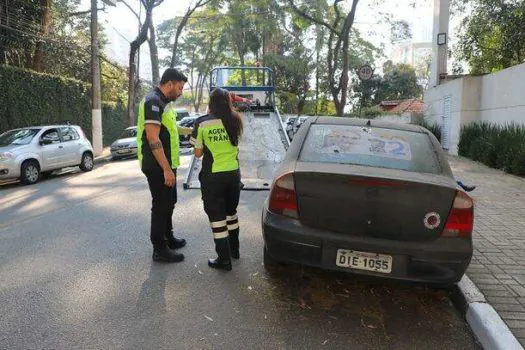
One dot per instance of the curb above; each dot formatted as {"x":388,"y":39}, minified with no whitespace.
{"x":102,"y":159}
{"x":488,"y":327}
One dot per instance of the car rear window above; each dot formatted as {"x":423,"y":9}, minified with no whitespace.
{"x":375,"y":147}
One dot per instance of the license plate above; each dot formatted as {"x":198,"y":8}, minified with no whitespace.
{"x":123,"y":151}
{"x":364,"y":261}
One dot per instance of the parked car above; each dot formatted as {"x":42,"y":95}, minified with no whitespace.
{"x":126,"y":144}
{"x":28,"y":153}
{"x":187,"y":122}
{"x":290,"y":121}
{"x":370,"y":198}
{"x":182,"y":113}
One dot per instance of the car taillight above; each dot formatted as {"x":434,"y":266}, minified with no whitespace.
{"x":460,"y":221}
{"x":283,"y":200}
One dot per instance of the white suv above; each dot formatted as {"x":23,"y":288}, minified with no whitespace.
{"x":28,"y":153}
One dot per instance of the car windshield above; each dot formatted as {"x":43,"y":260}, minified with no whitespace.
{"x":18,"y":137}
{"x":374,"y":147}
{"x":128,"y":133}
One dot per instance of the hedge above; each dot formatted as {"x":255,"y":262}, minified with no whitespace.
{"x":28,"y":98}
{"x":434,"y":128}
{"x":500,"y":147}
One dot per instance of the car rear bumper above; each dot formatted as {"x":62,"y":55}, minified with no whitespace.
{"x":442,"y":261}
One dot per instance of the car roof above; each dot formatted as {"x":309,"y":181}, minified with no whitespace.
{"x":364,"y":123}
{"x":45,"y":126}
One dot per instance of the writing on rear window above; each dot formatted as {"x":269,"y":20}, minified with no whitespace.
{"x":377,"y":147}
{"x":365,"y":142}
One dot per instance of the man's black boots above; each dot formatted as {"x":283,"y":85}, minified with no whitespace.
{"x":174,"y":243}
{"x":234,"y":243}
{"x":165,"y":254}
{"x":223,"y":261}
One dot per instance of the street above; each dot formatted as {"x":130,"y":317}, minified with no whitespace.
{"x":76,"y":273}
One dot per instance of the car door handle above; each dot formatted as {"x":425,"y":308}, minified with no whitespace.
{"x":60,"y":146}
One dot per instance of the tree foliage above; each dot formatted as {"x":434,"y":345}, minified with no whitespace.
{"x":492,"y":36}
{"x":398,"y":82}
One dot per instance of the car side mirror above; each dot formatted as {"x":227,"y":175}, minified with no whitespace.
{"x":44,"y":142}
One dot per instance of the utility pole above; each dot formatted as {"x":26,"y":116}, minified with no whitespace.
{"x":96,"y":106}
{"x":440,"y":41}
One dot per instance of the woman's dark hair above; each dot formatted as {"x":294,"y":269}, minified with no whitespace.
{"x":221,"y":106}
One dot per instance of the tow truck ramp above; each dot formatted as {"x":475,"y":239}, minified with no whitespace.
{"x":261,"y":150}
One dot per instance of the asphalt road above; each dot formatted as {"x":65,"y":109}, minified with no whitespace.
{"x":76,"y":273}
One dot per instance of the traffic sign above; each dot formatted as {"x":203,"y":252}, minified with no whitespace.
{"x":365,"y":72}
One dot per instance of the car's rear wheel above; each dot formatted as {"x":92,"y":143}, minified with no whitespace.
{"x":30,"y":172}
{"x":87,"y":162}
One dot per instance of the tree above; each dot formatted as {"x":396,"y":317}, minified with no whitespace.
{"x":294,"y":64}
{"x":338,"y":48}
{"x":180,"y":27}
{"x":399,"y":82}
{"x":241,"y":30}
{"x":149,"y":5}
{"x":153,"y":50}
{"x":202,"y":49}
{"x":492,"y":36}
{"x":400,"y":31}
{"x":19,"y":34}
{"x":45,"y":23}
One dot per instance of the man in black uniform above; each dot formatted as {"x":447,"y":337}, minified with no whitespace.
{"x":158,"y":153}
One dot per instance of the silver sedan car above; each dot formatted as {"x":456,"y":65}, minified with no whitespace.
{"x":126,"y":145}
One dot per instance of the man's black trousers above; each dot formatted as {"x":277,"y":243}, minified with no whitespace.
{"x":163,"y":199}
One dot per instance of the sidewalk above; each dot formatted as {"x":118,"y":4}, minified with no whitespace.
{"x":104,"y":157}
{"x":498,"y":265}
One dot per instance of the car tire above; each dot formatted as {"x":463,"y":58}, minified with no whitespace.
{"x":30,"y":172}
{"x":86,"y":164}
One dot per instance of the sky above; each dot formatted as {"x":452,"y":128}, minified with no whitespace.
{"x":121,"y":25}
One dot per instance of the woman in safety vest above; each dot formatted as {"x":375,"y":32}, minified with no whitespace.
{"x":216,"y":137}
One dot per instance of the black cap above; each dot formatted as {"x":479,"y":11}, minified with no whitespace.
{"x":172,"y":74}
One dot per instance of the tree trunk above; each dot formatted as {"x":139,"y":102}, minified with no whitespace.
{"x":243,"y":73}
{"x":45,"y":22}
{"x":345,"y":36}
{"x":134,"y":46}
{"x":154,"y":53}
{"x":180,"y":27}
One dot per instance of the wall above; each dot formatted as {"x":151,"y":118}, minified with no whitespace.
{"x":405,"y":118}
{"x":497,"y":98}
{"x":503,"y":96}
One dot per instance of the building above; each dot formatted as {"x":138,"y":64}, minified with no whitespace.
{"x":413,"y":54}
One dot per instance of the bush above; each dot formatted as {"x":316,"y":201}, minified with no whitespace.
{"x":500,"y":147}
{"x":28,"y":98}
{"x":434,"y":128}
